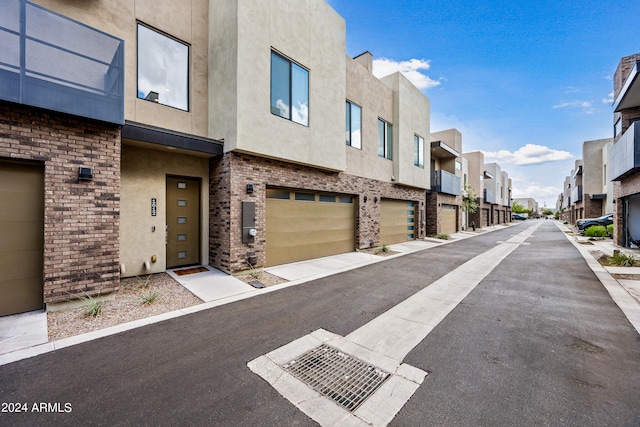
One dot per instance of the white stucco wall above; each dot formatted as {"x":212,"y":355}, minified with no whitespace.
{"x":411,"y":117}
{"x":307,"y":32}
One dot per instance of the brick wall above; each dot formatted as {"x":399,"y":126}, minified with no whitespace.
{"x":81,"y":219}
{"x":231,"y":174}
{"x":621,"y":189}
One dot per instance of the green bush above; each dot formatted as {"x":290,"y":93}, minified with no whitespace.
{"x":623,"y":260}
{"x":596,"y":231}
{"x":610,"y":230}
{"x":442,"y":236}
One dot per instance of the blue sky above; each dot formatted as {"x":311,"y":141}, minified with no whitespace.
{"x":524,"y":81}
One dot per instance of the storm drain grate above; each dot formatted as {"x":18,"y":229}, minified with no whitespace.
{"x":339,"y":376}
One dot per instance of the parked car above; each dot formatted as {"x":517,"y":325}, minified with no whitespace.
{"x":518,"y":217}
{"x":604,"y":220}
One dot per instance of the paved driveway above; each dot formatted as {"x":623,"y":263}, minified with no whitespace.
{"x":537,"y":342}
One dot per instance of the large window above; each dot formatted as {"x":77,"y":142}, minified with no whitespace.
{"x":418,"y":151}
{"x":385,"y":139}
{"x":163,"y":69}
{"x":289,"y":90}
{"x":354,"y":125}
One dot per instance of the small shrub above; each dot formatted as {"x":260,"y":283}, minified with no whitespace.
{"x":149,"y":297}
{"x":383,"y":249}
{"x":254,"y":273}
{"x":442,"y":236}
{"x":598,"y":231}
{"x":610,"y":230}
{"x":92,"y":307}
{"x":623,"y":260}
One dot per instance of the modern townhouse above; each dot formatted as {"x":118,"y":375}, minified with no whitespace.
{"x":596,"y":184}
{"x":493,"y":187}
{"x":577,"y":205}
{"x":140,"y":137}
{"x":624,"y":158}
{"x":444,"y":201}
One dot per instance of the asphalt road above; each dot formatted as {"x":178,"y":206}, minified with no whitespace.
{"x":538,"y":342}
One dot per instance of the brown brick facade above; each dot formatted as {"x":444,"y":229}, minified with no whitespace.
{"x":81,"y":219}
{"x":228,"y":181}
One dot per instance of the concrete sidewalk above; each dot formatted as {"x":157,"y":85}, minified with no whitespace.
{"x":214,"y":287}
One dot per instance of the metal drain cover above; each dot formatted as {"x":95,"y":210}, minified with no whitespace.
{"x":337,"y":375}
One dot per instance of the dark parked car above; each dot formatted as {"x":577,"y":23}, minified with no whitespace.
{"x":604,"y":220}
{"x":518,"y":217}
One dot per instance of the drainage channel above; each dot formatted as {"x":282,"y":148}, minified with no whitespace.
{"x":343,"y":378}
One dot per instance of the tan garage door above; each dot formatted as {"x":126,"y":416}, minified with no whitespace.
{"x":397,"y":221}
{"x":449,"y":218}
{"x":21,"y":241}
{"x":303,"y":225}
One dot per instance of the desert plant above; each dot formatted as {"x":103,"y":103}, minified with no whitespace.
{"x":610,"y":230}
{"x":92,"y":307}
{"x":597,"y":231}
{"x":149,"y":297}
{"x":383,"y":249}
{"x":253,"y":272}
{"x":442,"y":236}
{"x":623,"y":260}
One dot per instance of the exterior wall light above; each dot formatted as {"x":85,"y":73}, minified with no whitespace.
{"x":85,"y":174}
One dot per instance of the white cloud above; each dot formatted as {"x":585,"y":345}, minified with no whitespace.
{"x":609,"y":99}
{"x":530,"y":154}
{"x":586,"y":106}
{"x":411,"y":69}
{"x":537,"y":192}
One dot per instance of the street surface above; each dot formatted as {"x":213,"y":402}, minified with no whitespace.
{"x":537,"y":342}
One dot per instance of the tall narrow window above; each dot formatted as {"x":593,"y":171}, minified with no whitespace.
{"x":385,"y":139}
{"x":163,"y":69}
{"x":354,"y":125}
{"x":289,"y":90}
{"x":418,"y":151}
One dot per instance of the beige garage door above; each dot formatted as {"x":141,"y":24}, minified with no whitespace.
{"x":397,"y":221}
{"x":304,"y":225}
{"x":449,"y":219}
{"x":21,"y":238}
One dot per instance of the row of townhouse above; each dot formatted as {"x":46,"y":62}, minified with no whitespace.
{"x":607,"y":178}
{"x":493,"y":187}
{"x":146,"y":135}
{"x":587,"y":191}
{"x":529,"y":204}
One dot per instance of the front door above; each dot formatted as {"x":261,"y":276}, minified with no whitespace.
{"x":183,"y":221}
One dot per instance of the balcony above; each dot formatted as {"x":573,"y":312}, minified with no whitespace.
{"x":629,"y":96}
{"x":445,"y":182}
{"x":50,"y":61}
{"x":625,"y":154}
{"x":489,"y":196}
{"x":442,"y":151}
{"x":576,"y":194}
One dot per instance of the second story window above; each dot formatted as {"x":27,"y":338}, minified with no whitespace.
{"x":163,"y":69}
{"x":354,"y":125}
{"x":385,"y":139}
{"x":418,"y":151}
{"x":289,"y":90}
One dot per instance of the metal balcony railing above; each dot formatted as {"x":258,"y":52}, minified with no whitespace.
{"x":445,"y":182}
{"x":576,"y":194}
{"x":50,"y":61}
{"x":489,"y":196}
{"x":625,"y":155}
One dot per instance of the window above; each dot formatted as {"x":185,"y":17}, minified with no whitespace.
{"x":604,"y":175}
{"x":418,"y":151}
{"x":385,"y":139}
{"x":617,"y":128}
{"x":163,"y":69}
{"x":354,"y":125}
{"x":289,"y":90}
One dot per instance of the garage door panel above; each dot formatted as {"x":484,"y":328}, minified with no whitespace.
{"x":397,"y":221}
{"x":300,"y":230}
{"x":17,"y":297}
{"x":448,"y":218}
{"x":21,"y":242}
